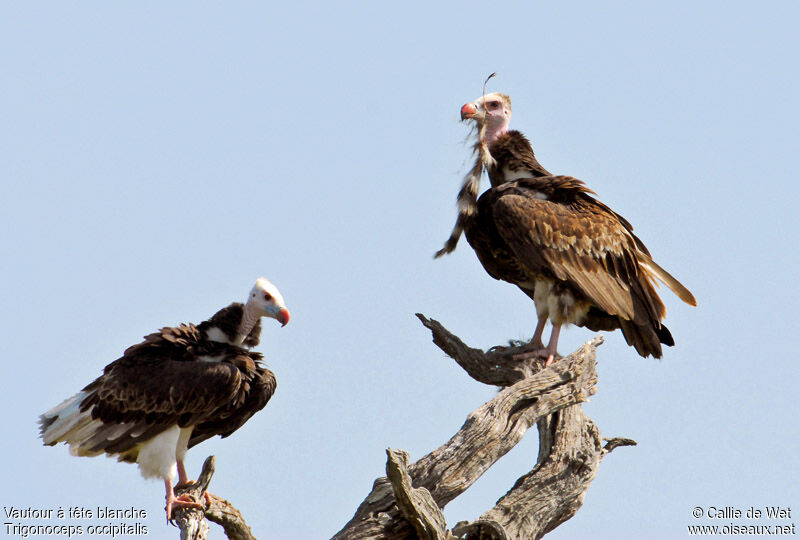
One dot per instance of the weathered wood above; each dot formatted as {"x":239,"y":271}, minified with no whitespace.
{"x":616,"y":442}
{"x":537,"y":504}
{"x":192,"y":521}
{"x":416,"y":504}
{"x":229,"y":518}
{"x":497,"y":366}
{"x":553,"y":491}
{"x":570,"y":447}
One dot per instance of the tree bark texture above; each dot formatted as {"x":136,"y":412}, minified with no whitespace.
{"x":407,"y":502}
{"x":192,"y":522}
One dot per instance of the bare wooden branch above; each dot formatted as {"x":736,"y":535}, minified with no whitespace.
{"x":226,"y":515}
{"x":497,"y":366}
{"x":192,"y":522}
{"x":553,"y":491}
{"x":491,"y":431}
{"x":416,"y":504}
{"x":616,"y":442}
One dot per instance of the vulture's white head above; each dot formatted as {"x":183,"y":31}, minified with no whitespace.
{"x":491,"y":113}
{"x":265,"y":300}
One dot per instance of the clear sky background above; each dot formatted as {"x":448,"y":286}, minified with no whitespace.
{"x":156,"y":159}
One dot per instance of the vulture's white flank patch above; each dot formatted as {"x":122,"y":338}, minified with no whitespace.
{"x":511,"y":175}
{"x":215,"y":334}
{"x":157,"y":456}
{"x":183,"y":442}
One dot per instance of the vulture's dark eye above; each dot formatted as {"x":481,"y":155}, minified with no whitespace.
{"x":494,"y":104}
{"x":267,"y":296}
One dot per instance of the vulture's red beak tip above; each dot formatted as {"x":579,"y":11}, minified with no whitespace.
{"x":467,"y":111}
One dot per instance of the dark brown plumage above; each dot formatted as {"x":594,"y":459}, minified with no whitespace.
{"x":513,"y":158}
{"x":177,"y":388}
{"x":227,"y":320}
{"x":168,"y":380}
{"x":551,"y":232}
{"x":576,"y":258}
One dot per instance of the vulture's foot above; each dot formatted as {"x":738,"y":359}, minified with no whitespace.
{"x":532,"y":350}
{"x":185,"y":501}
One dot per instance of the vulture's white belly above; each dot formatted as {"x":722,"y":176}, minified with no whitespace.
{"x":158,"y":456}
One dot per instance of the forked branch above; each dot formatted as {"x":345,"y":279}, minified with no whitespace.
{"x":410,"y":499}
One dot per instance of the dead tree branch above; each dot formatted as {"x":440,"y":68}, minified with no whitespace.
{"x":496,"y":366}
{"x":192,"y":522}
{"x":410,"y":500}
{"x":416,"y":504}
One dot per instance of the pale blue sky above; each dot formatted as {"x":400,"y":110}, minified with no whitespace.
{"x":156,"y":159}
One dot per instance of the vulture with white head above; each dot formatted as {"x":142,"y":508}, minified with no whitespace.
{"x":577,"y":259}
{"x":178,"y":387}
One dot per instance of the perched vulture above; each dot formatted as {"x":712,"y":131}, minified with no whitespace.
{"x":177,"y":388}
{"x":577,"y":259}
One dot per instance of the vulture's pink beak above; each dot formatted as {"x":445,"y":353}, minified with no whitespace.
{"x":468,"y":111}
{"x":283,"y":317}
